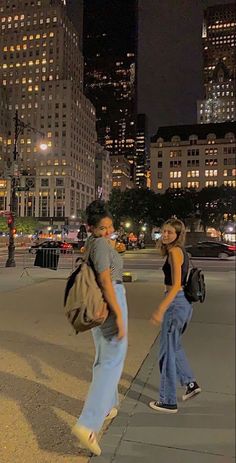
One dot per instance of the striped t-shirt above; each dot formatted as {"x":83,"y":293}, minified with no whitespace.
{"x":103,"y":256}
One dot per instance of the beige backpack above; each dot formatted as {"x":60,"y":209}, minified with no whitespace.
{"x":84,"y":303}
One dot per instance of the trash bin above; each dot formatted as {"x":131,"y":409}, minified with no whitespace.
{"x":47,"y":258}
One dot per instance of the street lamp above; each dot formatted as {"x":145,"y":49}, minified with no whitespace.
{"x":20,"y":126}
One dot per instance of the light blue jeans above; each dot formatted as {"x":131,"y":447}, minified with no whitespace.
{"x":173,"y":362}
{"x":107,"y":368}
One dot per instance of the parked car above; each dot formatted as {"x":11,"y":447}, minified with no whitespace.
{"x":211,"y":249}
{"x":51,"y":244}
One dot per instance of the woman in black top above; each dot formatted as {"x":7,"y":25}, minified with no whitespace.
{"x":173,"y":313}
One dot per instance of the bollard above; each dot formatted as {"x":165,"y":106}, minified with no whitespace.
{"x":129,"y":277}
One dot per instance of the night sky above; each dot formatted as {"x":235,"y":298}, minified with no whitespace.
{"x":169,"y":59}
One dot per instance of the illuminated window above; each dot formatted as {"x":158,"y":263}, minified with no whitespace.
{"x":192,"y":184}
{"x":193,"y":173}
{"x":211,"y":173}
{"x":231,"y":183}
{"x":175,"y":174}
{"x":159,"y":185}
{"x":211,"y":183}
{"x":175,"y":185}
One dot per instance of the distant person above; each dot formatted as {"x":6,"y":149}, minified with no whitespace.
{"x":173,"y":314}
{"x":110,"y":339}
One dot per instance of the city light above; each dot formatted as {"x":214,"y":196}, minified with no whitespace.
{"x":43,"y":146}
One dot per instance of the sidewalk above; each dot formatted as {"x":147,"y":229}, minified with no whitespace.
{"x":203,"y":429}
{"x":45,"y":372}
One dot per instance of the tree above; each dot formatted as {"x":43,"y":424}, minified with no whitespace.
{"x":3,"y":225}
{"x":216,"y":207}
{"x":27,"y":225}
{"x":177,"y":202}
{"x":138,"y":205}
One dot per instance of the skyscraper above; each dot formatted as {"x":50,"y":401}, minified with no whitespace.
{"x":110,"y":52}
{"x":41,"y":70}
{"x":219,"y":56}
{"x":142,"y":151}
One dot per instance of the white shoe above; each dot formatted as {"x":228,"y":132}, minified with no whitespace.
{"x":112,"y":414}
{"x":87,"y":438}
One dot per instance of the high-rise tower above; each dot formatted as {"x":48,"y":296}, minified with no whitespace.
{"x":219,"y":58}
{"x":41,"y":70}
{"x":110,"y":51}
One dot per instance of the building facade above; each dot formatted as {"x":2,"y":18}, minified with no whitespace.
{"x":142,"y":152}
{"x":121,"y":173}
{"x":41,"y":70}
{"x":110,"y":51}
{"x":193,"y":156}
{"x":103,"y":173}
{"x":219,"y":60}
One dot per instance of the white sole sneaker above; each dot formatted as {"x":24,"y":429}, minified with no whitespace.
{"x":112,"y":414}
{"x":191,"y":394}
{"x":160,"y":408}
{"x":87,"y":439}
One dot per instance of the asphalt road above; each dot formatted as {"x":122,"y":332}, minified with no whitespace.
{"x":147,"y":259}
{"x":151,"y":261}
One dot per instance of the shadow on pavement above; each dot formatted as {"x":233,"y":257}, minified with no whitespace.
{"x":38,"y":403}
{"x":34,"y":350}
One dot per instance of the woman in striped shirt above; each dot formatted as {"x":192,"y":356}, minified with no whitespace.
{"x":110,"y":339}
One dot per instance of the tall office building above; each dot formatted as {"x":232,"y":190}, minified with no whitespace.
{"x":219,"y":57}
{"x":110,"y":52}
{"x":75,"y":12}
{"x":41,"y":70}
{"x":142,"y":151}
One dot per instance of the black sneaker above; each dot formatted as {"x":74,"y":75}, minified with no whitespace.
{"x":166,"y":408}
{"x":192,"y":389}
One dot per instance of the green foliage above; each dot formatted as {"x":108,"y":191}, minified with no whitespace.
{"x":3,"y":225}
{"x":214,"y":203}
{"x":144,"y":206}
{"x":25,"y":225}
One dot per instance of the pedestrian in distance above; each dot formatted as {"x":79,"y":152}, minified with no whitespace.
{"x":110,"y":338}
{"x":173,"y":314}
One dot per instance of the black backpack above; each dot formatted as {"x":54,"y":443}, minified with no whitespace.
{"x":195,"y":287}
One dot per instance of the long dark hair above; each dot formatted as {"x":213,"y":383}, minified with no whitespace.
{"x":96,"y":211}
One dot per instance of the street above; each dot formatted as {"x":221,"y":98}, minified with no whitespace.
{"x":148,"y":259}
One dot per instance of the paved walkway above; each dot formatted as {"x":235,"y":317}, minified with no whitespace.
{"x":45,"y":373}
{"x":203,"y":429}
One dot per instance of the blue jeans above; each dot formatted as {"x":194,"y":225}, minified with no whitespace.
{"x":173,"y":362}
{"x":107,"y":368}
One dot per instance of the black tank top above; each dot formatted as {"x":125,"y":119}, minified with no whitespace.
{"x":184,"y":270}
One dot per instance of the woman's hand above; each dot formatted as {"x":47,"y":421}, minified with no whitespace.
{"x":157,"y":317}
{"x":121,"y":328}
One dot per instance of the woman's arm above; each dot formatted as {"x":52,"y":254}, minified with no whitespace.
{"x":105,"y":282}
{"x":176,"y":261}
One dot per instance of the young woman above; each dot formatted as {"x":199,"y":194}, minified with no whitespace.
{"x":174,"y":314}
{"x":110,"y":339}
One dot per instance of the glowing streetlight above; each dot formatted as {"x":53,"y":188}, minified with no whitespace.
{"x":127,"y":225}
{"x":43,"y":146}
{"x":20,"y":127}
